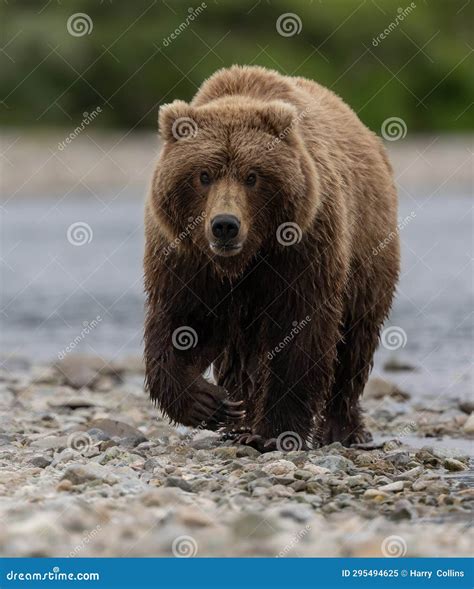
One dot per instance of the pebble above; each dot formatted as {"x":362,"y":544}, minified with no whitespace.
{"x":80,"y":371}
{"x":376,"y":494}
{"x":426,"y":456}
{"x":302,"y":474}
{"x":402,"y":510}
{"x":356,"y":481}
{"x":79,"y":474}
{"x":468,"y":426}
{"x":178,"y":482}
{"x":395,"y":486}
{"x":279,"y":467}
{"x":454,"y":465}
{"x":41,"y":461}
{"x":114,"y":428}
{"x":413,"y":473}
{"x":378,"y":388}
{"x":334,"y":463}
{"x":420,"y":485}
{"x":137,"y":473}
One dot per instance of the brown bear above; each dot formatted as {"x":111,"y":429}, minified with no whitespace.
{"x":268,"y":205}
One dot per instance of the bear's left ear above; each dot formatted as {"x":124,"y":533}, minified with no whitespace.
{"x":279,"y":117}
{"x":176,"y":121}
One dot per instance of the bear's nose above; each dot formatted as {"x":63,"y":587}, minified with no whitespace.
{"x":225,"y":227}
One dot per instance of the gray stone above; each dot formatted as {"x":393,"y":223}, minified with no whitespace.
{"x":81,"y":371}
{"x":392,"y":487}
{"x":377,"y":388}
{"x":468,"y":426}
{"x":180,"y":483}
{"x":454,"y":465}
{"x":279,"y":467}
{"x":79,"y":474}
{"x":113,"y":428}
{"x":98,"y":434}
{"x":403,"y":510}
{"x":40,"y":461}
{"x":334,"y":463}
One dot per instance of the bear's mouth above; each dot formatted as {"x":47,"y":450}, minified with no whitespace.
{"x":225,"y":249}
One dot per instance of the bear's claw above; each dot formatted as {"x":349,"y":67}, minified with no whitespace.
{"x":212,"y":412}
{"x":258,"y":442}
{"x":234,"y":433}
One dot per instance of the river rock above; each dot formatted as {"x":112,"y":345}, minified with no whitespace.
{"x":279,"y":467}
{"x":468,"y":426}
{"x":130,"y":436}
{"x":334,"y":463}
{"x":180,"y":483}
{"x":377,"y":388}
{"x":81,"y":371}
{"x":454,"y":465}
{"x":79,"y":474}
{"x":41,"y":461}
{"x":392,"y":487}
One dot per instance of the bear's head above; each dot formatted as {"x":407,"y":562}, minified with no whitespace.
{"x":233,"y":177}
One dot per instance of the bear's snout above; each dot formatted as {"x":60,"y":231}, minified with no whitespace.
{"x":225,"y":227}
{"x":225,"y":230}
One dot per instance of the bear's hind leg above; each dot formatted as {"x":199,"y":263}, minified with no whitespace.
{"x":343,"y":415}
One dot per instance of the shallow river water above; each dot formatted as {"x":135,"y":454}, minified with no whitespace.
{"x":52,"y":288}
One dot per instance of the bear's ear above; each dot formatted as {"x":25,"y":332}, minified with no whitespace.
{"x":176,"y":121}
{"x":279,"y":117}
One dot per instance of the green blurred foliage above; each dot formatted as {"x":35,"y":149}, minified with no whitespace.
{"x":421,"y":71}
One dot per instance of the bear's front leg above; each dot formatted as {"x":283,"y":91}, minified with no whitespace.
{"x":294,"y":379}
{"x":175,"y":382}
{"x":187,"y":398}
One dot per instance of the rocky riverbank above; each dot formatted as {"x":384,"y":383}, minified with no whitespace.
{"x":89,"y":468}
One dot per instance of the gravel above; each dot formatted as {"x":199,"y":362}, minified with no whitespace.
{"x":88,"y":467}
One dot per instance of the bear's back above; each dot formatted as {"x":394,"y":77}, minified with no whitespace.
{"x":327,"y":119}
{"x":249,"y":81}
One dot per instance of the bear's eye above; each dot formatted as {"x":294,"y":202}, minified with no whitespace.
{"x":251,"y":179}
{"x":205,"y":178}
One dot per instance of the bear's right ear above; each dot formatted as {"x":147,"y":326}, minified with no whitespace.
{"x":279,"y":117}
{"x":176,"y":121}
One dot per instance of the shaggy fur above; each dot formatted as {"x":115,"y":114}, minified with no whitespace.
{"x":290,"y":329}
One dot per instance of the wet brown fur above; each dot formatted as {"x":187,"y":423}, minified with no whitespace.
{"x":318,"y":166}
